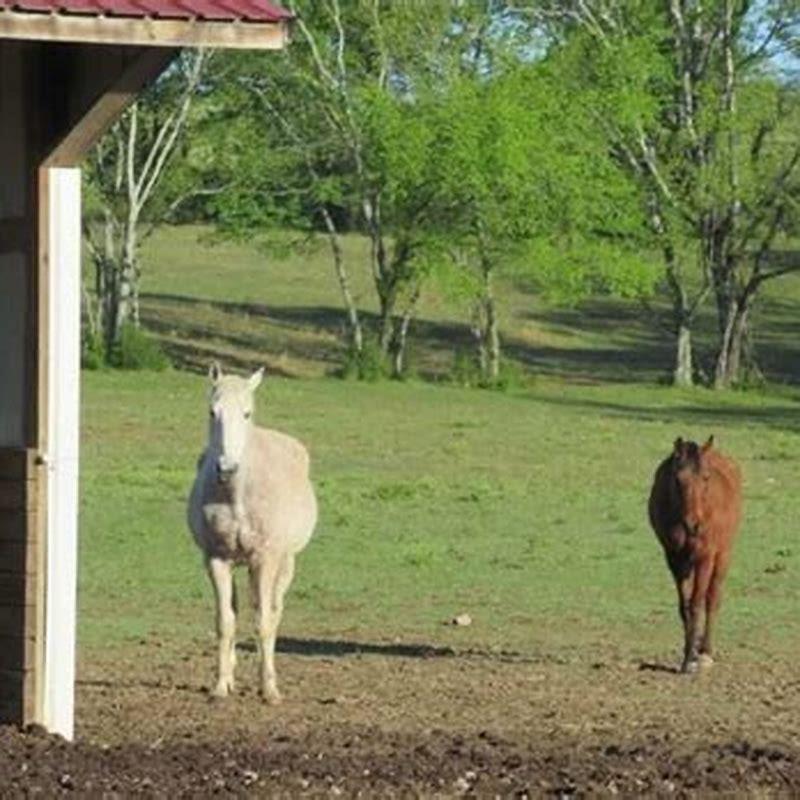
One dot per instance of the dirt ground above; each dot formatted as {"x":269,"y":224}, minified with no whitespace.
{"x":399,"y":720}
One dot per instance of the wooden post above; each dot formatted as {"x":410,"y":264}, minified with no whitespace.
{"x":61,"y":192}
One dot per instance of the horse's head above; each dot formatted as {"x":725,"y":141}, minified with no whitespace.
{"x":231,"y":413}
{"x":691,"y":471}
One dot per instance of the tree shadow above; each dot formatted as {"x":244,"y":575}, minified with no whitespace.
{"x":782,"y":417}
{"x":605,"y":340}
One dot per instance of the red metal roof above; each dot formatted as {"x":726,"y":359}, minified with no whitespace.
{"x":210,"y":10}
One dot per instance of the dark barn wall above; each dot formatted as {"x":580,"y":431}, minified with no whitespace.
{"x":19,"y":485}
{"x":55,"y":101}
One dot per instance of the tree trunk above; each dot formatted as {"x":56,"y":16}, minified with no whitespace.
{"x":381,"y":274}
{"x":355,"y":331}
{"x":478,"y":331}
{"x":387,"y":298}
{"x":489,"y":340}
{"x":736,"y":359}
{"x":493,"y":337}
{"x":126,"y":282}
{"x":682,"y":314}
{"x":401,"y":337}
{"x":683,"y":373}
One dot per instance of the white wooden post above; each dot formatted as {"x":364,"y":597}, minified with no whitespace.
{"x":63,"y":370}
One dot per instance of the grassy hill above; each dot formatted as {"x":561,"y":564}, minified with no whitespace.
{"x":247,"y":307}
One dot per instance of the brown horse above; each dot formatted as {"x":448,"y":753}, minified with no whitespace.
{"x":695,"y":505}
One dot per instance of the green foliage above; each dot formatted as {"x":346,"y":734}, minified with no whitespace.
{"x":699,"y":117}
{"x":137,"y":350}
{"x":93,"y":352}
{"x":466,"y":372}
{"x":368,"y":365}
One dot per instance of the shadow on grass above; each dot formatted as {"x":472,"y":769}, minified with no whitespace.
{"x":318,"y":333}
{"x":339,"y":647}
{"x":782,"y":417}
{"x":615,"y":341}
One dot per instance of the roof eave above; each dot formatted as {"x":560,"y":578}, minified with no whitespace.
{"x":147,"y":32}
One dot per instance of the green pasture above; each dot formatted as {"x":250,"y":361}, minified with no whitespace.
{"x":525,"y":509}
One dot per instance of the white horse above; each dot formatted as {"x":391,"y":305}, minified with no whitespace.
{"x":252,"y":503}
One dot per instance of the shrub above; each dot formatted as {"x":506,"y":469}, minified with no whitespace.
{"x":368,"y":365}
{"x":137,"y":350}
{"x":93,"y":351}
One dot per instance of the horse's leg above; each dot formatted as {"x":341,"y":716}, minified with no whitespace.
{"x":270,"y":578}
{"x":713,"y":600}
{"x":697,"y":613}
{"x":684,"y":582}
{"x":683,"y":575}
{"x":221,"y":574}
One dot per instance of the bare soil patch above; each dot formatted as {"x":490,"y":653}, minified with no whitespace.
{"x":437,"y":723}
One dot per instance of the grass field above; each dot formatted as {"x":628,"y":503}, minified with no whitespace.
{"x":525,"y":509}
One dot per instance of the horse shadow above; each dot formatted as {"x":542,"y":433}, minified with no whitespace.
{"x":654,"y":666}
{"x":339,"y":648}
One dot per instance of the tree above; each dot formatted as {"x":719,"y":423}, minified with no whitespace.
{"x":522,"y":188}
{"x":322,"y":155}
{"x":694,"y":114}
{"x":346,"y":133}
{"x":131,"y":179}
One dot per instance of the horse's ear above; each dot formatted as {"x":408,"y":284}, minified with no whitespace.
{"x":678,"y":445}
{"x":256,"y":378}
{"x":709,"y":444}
{"x":214,"y":372}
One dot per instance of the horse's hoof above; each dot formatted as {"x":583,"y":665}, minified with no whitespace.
{"x":705,"y":661}
{"x":690,"y":667}
{"x":221,"y":691}
{"x":272,"y":697}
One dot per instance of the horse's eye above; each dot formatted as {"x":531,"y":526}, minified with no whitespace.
{"x":211,"y":413}
{"x":247,"y":414}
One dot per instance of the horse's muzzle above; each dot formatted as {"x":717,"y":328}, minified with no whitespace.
{"x":692,"y":528}
{"x":225,"y":474}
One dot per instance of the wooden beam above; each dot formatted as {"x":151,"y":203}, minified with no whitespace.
{"x":20,"y":525}
{"x":18,"y":558}
{"x":17,"y":653}
{"x":145,"y":32}
{"x":17,"y":620}
{"x":17,"y":590}
{"x":16,"y":696}
{"x":111,"y":102}
{"x":63,"y":417}
{"x":17,"y":496}
{"x":17,"y":463}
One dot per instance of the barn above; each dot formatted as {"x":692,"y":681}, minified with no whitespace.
{"x":68,"y":69}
